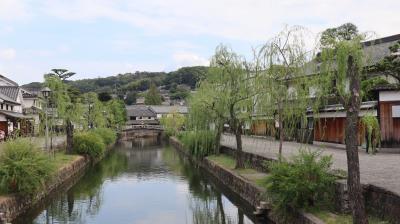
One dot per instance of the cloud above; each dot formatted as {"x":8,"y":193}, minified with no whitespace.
{"x":11,"y":10}
{"x":234,"y":19}
{"x":8,"y":54}
{"x":182,"y":59}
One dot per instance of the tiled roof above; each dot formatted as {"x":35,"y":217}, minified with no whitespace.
{"x":8,"y":80}
{"x":374,"y":50}
{"x":10,"y":91}
{"x":160,"y":109}
{"x":140,"y":111}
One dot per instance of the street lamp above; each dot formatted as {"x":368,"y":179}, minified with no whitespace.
{"x":46,"y":91}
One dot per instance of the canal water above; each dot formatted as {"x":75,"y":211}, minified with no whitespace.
{"x":143,"y":181}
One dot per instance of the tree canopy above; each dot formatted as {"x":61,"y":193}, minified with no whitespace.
{"x":152,"y":96}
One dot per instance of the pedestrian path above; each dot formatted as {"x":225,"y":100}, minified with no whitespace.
{"x":382,"y":169}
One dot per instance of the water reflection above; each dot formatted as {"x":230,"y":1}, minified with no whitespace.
{"x":144,"y":183}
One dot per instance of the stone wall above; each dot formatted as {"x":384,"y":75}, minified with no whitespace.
{"x":380,"y":202}
{"x":249,"y":192}
{"x":13,"y":205}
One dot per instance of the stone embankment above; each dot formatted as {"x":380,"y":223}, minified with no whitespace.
{"x":13,"y":205}
{"x":247,"y":190}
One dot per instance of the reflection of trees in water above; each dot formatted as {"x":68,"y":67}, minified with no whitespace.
{"x":205,"y":200}
{"x":85,"y":197}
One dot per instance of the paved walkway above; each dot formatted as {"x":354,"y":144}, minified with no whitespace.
{"x":382,"y":169}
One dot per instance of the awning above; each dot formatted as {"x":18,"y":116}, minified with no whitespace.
{"x":15,"y":115}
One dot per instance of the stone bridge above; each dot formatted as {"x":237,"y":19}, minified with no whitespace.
{"x":138,"y":131}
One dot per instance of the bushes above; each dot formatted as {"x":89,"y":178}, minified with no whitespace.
{"x":109,"y":136}
{"x":90,"y":144}
{"x":23,"y":168}
{"x":302,"y":183}
{"x":199,"y":143}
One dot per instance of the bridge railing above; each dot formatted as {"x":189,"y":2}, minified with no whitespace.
{"x":143,"y":126}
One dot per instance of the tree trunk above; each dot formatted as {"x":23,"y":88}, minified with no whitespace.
{"x":236,"y":127}
{"x":219,"y":129}
{"x":281,"y":134}
{"x":239,"y":149}
{"x":353,"y":165}
{"x":70,"y":136}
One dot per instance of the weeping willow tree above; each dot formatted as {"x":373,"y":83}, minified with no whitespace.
{"x":67,"y":105}
{"x":230,"y":77}
{"x":372,"y":127}
{"x":342,"y":63}
{"x":283,"y":91}
{"x":95,"y":111}
{"x":207,"y":111}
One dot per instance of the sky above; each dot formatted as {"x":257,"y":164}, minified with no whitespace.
{"x":98,"y":38}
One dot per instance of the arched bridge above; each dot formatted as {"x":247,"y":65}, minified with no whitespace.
{"x":137,"y":131}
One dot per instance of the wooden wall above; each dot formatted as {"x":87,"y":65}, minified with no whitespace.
{"x":333,"y":130}
{"x":390,"y":127}
{"x":262,"y":127}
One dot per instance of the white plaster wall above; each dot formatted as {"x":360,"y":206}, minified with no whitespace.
{"x":389,"y":96}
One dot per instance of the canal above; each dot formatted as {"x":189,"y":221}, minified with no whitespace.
{"x":143,"y":181}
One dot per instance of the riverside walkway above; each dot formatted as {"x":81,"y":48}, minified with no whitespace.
{"x":381,"y":169}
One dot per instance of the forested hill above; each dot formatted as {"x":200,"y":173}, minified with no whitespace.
{"x":138,"y":81}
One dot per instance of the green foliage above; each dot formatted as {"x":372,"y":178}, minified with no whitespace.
{"x":368,"y":85}
{"x":104,"y":96}
{"x":90,"y":144}
{"x":199,"y":143}
{"x":373,"y":129}
{"x":115,"y":114}
{"x":130,"y":98}
{"x":23,"y":168}
{"x":300,"y":183}
{"x":345,"y":32}
{"x":108,"y":135}
{"x":173,"y":123}
{"x":178,"y":93}
{"x":390,"y":65}
{"x":153,"y":96}
{"x":186,"y":75}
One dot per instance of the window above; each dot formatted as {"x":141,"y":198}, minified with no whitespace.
{"x":12,"y":108}
{"x":2,"y":106}
{"x":149,"y":117}
{"x":6,"y":106}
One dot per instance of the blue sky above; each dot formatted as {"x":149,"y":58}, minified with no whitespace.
{"x":105,"y":37}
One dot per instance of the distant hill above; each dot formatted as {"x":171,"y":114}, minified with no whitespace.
{"x":136,"y":82}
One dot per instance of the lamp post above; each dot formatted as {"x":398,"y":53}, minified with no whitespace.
{"x":46,"y":93}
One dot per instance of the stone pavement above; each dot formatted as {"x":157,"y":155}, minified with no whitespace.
{"x":381,"y":169}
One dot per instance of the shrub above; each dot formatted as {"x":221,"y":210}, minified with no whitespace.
{"x":90,"y":144}
{"x":108,"y":135}
{"x":199,"y":143}
{"x":302,"y":183}
{"x":173,"y":123}
{"x":23,"y":168}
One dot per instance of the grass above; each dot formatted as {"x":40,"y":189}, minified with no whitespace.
{"x":223,"y":160}
{"x":61,"y":159}
{"x":229,"y":162}
{"x":331,"y":218}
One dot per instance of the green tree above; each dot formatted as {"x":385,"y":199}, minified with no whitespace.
{"x":115,"y":114}
{"x":152,"y":96}
{"x":390,"y":65}
{"x":104,"y":96}
{"x":67,"y":105}
{"x":282,"y":90}
{"x":131,"y":98}
{"x":341,"y":70}
{"x":207,"y":110}
{"x":230,"y":76}
{"x":63,"y":74}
